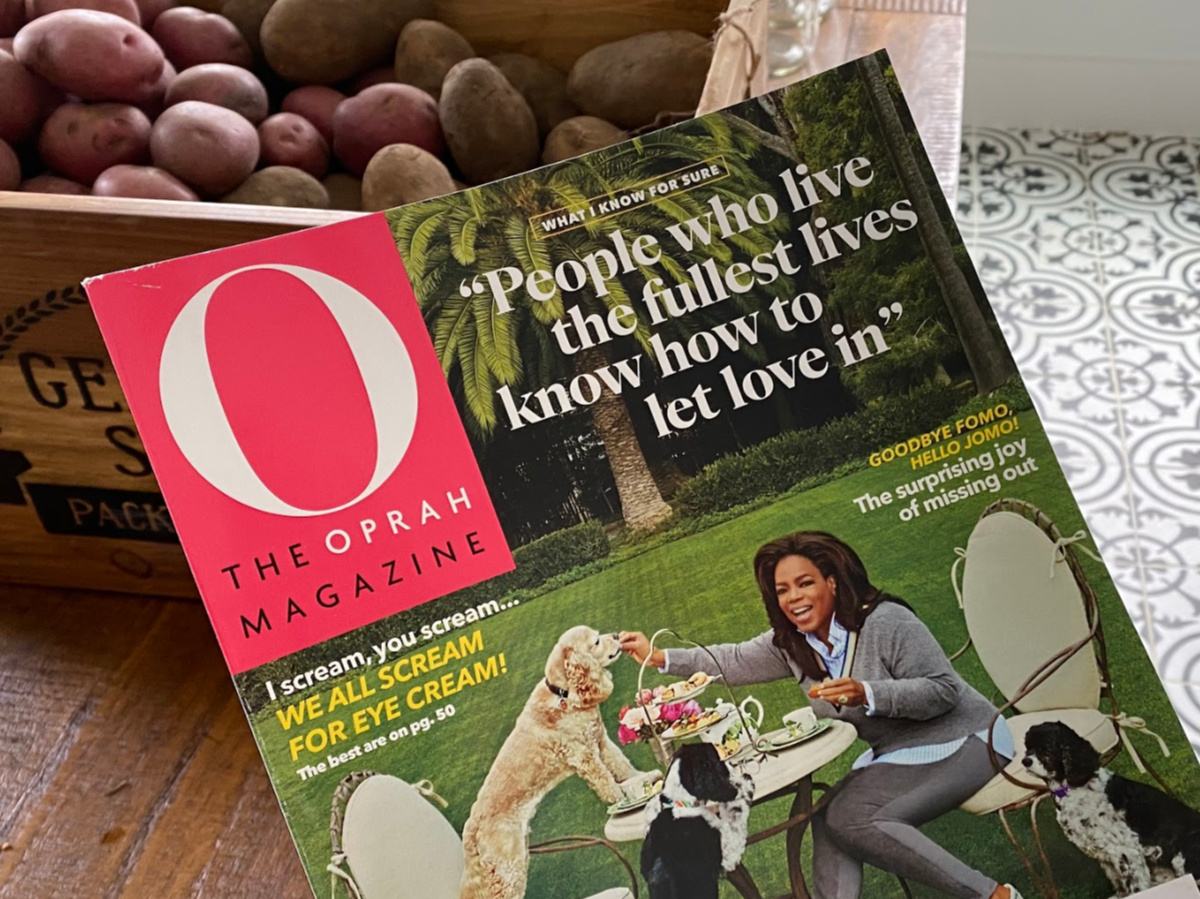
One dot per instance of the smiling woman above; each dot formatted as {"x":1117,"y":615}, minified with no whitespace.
{"x":866,"y":658}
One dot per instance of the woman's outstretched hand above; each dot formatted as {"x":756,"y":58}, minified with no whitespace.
{"x":636,"y":645}
{"x":843,"y":691}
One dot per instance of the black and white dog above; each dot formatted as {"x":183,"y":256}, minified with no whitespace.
{"x":1140,"y":836}
{"x":697,"y":825}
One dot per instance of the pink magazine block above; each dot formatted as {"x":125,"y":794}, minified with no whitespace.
{"x":303,"y":434}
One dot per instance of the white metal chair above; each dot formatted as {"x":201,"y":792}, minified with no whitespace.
{"x":390,"y":842}
{"x":1035,"y":625}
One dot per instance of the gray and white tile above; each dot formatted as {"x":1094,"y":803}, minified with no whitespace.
{"x":1089,"y":248}
{"x":1005,"y":180}
{"x":1084,"y":150}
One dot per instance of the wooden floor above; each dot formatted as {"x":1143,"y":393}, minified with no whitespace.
{"x":127,"y":768}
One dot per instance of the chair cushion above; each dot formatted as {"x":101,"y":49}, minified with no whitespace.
{"x":1094,"y":726}
{"x":387,"y":825}
{"x":1021,"y":610}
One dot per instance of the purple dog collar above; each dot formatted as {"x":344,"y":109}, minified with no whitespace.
{"x":1060,"y":792}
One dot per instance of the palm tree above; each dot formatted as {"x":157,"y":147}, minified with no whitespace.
{"x":990,"y":362}
{"x":448,"y":240}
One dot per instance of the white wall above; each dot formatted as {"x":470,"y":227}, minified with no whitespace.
{"x":1085,"y":64}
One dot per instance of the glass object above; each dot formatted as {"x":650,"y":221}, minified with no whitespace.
{"x":794,"y":25}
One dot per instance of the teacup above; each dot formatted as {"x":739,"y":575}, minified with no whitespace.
{"x":800,"y":722}
{"x":729,"y":732}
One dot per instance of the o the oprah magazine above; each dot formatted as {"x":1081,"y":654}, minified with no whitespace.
{"x":671,"y":521}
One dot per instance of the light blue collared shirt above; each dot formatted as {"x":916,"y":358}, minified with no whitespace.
{"x":833,"y":657}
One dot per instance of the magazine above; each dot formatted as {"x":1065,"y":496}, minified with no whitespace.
{"x":669,"y":521}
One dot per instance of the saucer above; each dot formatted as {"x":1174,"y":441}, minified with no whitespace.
{"x":781,"y":739}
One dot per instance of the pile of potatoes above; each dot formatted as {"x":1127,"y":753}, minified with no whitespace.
{"x":345,"y":104}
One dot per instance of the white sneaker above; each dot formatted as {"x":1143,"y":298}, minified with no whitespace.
{"x":1012,"y":892}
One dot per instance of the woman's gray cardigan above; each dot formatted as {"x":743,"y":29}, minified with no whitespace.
{"x":920,"y":699}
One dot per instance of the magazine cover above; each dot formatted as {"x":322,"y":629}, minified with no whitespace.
{"x":671,"y":521}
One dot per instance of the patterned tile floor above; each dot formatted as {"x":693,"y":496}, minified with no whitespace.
{"x":1089,"y":246}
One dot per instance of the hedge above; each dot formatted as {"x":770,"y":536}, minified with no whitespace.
{"x":543,"y":559}
{"x":1012,"y":393}
{"x":778,"y":464}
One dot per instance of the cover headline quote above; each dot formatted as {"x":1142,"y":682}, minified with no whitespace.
{"x":603,"y":273}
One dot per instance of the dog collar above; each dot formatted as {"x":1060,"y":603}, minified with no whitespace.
{"x":1060,"y":792}
{"x":561,"y":692}
{"x":685,"y":803}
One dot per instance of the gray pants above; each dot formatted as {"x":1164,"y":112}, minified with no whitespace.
{"x":874,"y":817}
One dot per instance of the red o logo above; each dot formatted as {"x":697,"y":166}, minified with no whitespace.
{"x":201,"y":426}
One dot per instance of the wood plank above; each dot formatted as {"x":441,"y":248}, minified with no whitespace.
{"x":222,"y":828}
{"x":256,"y":858}
{"x":124,"y":766}
{"x":59,"y":652}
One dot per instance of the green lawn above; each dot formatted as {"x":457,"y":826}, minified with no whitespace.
{"x":702,"y":586}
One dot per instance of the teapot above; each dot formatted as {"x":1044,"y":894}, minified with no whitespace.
{"x":727,"y":735}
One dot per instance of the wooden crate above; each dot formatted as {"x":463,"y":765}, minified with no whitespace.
{"x":79,"y":506}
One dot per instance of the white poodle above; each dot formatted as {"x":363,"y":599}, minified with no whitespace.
{"x":558,"y":733}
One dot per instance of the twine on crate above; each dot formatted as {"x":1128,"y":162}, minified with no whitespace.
{"x":730,"y":20}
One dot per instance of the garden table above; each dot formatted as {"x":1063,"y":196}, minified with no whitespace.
{"x":787,"y":772}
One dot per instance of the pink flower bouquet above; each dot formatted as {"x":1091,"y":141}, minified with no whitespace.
{"x":640,"y":723}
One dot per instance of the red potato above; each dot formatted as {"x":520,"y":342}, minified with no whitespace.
{"x":382,"y":115}
{"x":93,"y":55}
{"x":126,"y":9}
{"x":10,"y":168}
{"x":81,"y":140}
{"x":152,"y":9}
{"x":53,"y":184}
{"x":221,"y":85}
{"x":209,"y":148}
{"x":141,"y":181}
{"x":317,"y":103}
{"x":288,"y":139}
{"x":191,"y":37}
{"x":27,"y":101}
{"x":12,"y":17}
{"x":6,"y":45}
{"x":158,"y":102}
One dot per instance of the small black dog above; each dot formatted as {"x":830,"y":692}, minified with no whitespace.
{"x":1140,"y":836}
{"x":697,"y":825}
